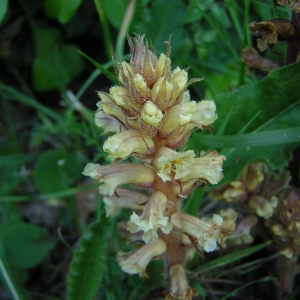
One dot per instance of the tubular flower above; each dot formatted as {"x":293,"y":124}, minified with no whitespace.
{"x":128,"y":142}
{"x":207,"y":233}
{"x":136,"y":261}
{"x":152,"y":115}
{"x":124,"y":198}
{"x":151,"y":219}
{"x":112,"y":176}
{"x":207,"y":167}
{"x":180,"y":288}
{"x":173,"y":165}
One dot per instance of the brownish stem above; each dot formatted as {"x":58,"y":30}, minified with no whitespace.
{"x":286,"y":270}
{"x":173,"y":254}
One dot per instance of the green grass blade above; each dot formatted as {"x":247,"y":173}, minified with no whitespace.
{"x":7,"y":278}
{"x":103,"y":69}
{"x":63,"y":194}
{"x":267,"y":278}
{"x":96,"y":73}
{"x":255,"y":139}
{"x":107,"y":36}
{"x":12,"y":94}
{"x":229,"y":258}
{"x":88,"y":264}
{"x":125,"y":28}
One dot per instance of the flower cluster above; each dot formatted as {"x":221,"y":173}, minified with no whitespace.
{"x":152,"y":116}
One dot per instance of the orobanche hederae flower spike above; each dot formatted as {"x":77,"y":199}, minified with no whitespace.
{"x":151,"y":116}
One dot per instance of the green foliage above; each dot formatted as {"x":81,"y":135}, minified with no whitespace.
{"x":56,"y":63}
{"x":8,"y":279}
{"x":25,"y":245}
{"x":115,"y":16}
{"x":63,"y":11}
{"x":3,"y":9}
{"x":275,"y":103}
{"x":229,"y":258}
{"x":89,"y":262}
{"x":56,"y":170}
{"x":158,"y":23}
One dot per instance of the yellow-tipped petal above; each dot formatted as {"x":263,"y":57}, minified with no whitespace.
{"x":151,"y":114}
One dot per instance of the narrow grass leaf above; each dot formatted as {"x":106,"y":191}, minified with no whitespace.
{"x":267,"y":278}
{"x":229,"y":258}
{"x":8,"y":280}
{"x":102,"y":68}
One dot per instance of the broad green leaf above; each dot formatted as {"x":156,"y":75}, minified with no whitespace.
{"x":220,"y":15}
{"x":115,"y":11}
{"x":25,"y":245}
{"x":62,"y":10}
{"x":89,"y":262}
{"x":164,"y":19}
{"x":17,"y":159}
{"x":275,"y":129}
{"x":269,"y":97}
{"x":56,"y":170}
{"x":56,"y":63}
{"x":3,"y":9}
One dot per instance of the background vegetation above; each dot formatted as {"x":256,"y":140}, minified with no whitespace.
{"x":54,"y":56}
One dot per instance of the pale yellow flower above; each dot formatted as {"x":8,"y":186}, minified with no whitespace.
{"x":136,"y":261}
{"x":128,"y":142}
{"x":152,"y":218}
{"x":151,"y":114}
{"x":180,"y":289}
{"x":173,"y":165}
{"x":207,"y":167}
{"x":124,"y":198}
{"x":112,"y":176}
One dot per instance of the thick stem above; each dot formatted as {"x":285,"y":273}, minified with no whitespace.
{"x":173,"y":254}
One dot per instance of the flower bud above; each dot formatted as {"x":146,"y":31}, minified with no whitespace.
{"x":161,"y":93}
{"x":163,"y":66}
{"x":136,"y":261}
{"x":126,"y":73}
{"x":110,"y":108}
{"x":143,"y":60}
{"x":262,"y":206}
{"x":151,"y":114}
{"x":122,"y":98}
{"x":113,"y":175}
{"x":179,"y":80}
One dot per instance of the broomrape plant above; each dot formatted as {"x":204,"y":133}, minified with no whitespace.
{"x":152,"y":116}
